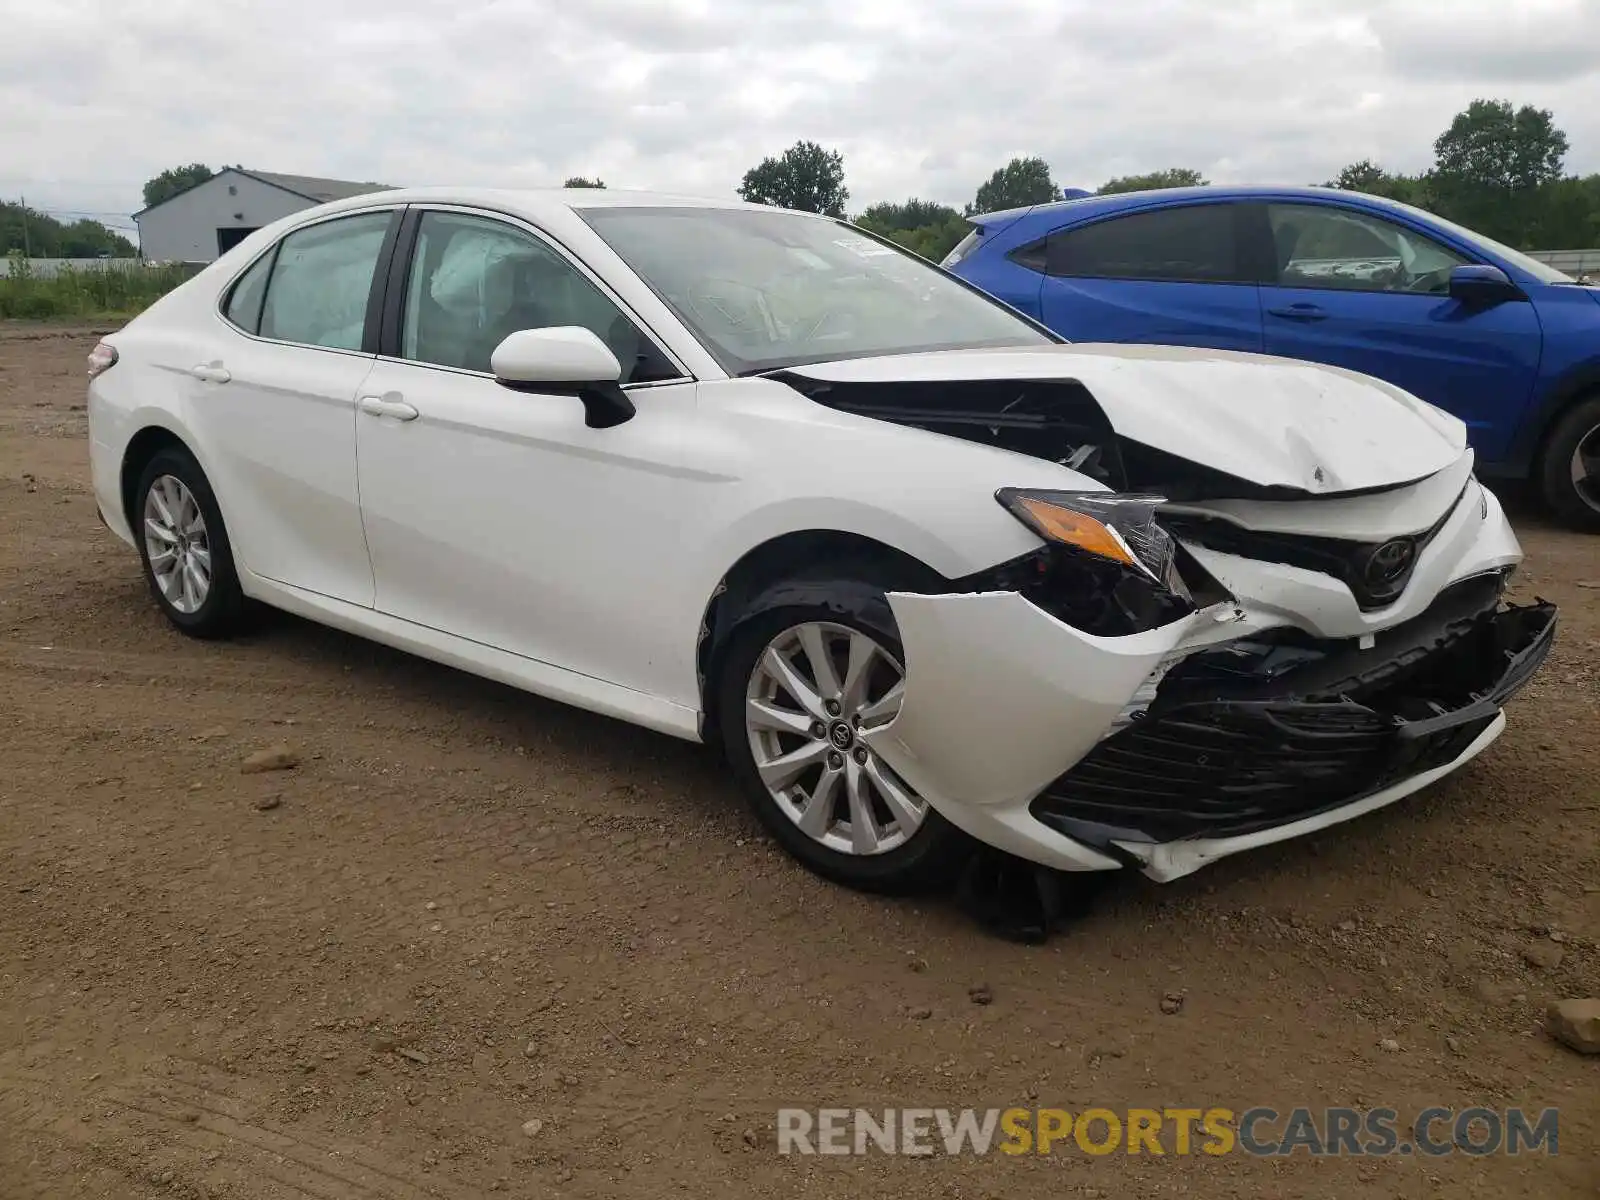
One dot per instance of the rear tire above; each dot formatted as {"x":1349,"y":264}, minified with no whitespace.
{"x":1569,"y":468}
{"x":184,"y":547}
{"x":902,"y":845}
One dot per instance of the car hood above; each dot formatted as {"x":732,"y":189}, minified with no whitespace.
{"x":1276,"y":423}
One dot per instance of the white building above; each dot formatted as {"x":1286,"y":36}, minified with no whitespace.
{"x":203,"y":222}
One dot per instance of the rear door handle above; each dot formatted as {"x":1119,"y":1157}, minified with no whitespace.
{"x":388,"y":406}
{"x":211,"y":372}
{"x":1300,"y":312}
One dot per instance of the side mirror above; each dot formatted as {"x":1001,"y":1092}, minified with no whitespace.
{"x":1482,"y":286}
{"x":567,"y":359}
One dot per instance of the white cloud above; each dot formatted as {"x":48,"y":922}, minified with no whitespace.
{"x":922,"y":97}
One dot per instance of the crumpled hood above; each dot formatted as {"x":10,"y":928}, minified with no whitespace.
{"x":1275,"y":422}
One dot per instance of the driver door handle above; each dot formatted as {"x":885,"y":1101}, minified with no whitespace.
{"x":388,"y":406}
{"x":1301,"y":312}
{"x":211,"y":372}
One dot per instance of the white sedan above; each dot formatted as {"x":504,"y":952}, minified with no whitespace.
{"x":930,"y":576}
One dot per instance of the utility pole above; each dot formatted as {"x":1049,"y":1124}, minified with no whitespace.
{"x":27,"y":248}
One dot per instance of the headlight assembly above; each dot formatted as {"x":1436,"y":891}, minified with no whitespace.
{"x":1115,"y":528}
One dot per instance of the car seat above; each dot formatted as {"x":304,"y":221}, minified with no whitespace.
{"x":1285,"y":237}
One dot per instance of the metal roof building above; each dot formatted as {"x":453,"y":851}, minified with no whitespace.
{"x":205,"y":221}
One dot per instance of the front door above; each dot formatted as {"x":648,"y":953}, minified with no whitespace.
{"x":1355,"y":290}
{"x":499,"y":515}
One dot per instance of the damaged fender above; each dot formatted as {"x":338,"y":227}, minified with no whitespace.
{"x":1001,"y":698}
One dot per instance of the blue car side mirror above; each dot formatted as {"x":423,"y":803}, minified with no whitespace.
{"x":1482,"y":285}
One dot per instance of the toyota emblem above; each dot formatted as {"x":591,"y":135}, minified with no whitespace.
{"x":1389,"y":562}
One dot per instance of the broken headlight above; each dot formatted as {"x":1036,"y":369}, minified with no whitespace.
{"x":1106,"y":568}
{"x":1119,"y":528}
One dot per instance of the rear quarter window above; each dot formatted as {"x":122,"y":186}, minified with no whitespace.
{"x":963,"y":248}
{"x":244,"y":301}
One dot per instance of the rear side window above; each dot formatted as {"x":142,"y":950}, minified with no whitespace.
{"x":1193,"y":244}
{"x":963,"y":248}
{"x":244,"y":302}
{"x":320,"y":281}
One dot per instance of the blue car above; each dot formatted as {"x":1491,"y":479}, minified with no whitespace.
{"x":1507,"y":344}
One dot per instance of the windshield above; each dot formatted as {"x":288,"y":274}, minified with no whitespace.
{"x":763,"y":290}
{"x":1540,"y":271}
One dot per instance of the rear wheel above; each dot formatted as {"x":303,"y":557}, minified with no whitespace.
{"x":184,"y":546}
{"x":803,"y":688}
{"x":1569,"y":471}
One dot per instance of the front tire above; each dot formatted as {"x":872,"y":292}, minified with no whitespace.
{"x":801,"y":683}
{"x":184,"y":547}
{"x":1569,"y":469}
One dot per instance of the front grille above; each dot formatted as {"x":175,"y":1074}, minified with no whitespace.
{"x":1230,"y":768}
{"x":1208,"y":759}
{"x":1375,"y":572}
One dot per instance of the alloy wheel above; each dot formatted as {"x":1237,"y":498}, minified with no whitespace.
{"x":816,"y":690}
{"x":177,"y":544}
{"x":1585,"y":468}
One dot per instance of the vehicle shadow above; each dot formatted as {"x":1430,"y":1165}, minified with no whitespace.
{"x":484,"y":712}
{"x":690,"y":783}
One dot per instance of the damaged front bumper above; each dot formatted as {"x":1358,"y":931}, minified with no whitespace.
{"x":1004,"y":728}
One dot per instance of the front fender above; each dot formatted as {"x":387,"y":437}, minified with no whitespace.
{"x":1576,"y":381}
{"x":956,"y":544}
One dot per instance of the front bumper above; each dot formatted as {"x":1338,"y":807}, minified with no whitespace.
{"x":1334,"y":733}
{"x":1224,"y":758}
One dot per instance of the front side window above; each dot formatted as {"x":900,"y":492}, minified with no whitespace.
{"x":474,"y":281}
{"x":317,"y":294}
{"x":764,"y":289}
{"x":1319,"y":246}
{"x":1196,"y":243}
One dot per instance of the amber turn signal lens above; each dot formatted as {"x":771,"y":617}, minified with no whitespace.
{"x":1075,"y":529}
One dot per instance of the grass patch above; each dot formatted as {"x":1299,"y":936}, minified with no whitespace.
{"x":95,"y":292}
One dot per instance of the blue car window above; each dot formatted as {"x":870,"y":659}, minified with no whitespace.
{"x":1195,"y":243}
{"x":1321,"y":246}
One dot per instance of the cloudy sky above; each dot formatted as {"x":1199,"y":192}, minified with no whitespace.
{"x":924,"y":97}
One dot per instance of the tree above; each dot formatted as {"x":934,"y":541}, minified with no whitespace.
{"x":578,"y":181}
{"x":1368,"y":177}
{"x":1568,"y":215}
{"x":1021,"y":182}
{"x":805,"y":176}
{"x":1172,"y":177}
{"x":1491,"y":145}
{"x":922,"y":226}
{"x":46,"y":237}
{"x":910,"y":214}
{"x":933,"y":242}
{"x":174,"y":180}
{"x":1495,"y":166}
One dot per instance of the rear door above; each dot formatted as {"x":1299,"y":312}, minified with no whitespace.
{"x":996,"y":273}
{"x":275,"y":400}
{"x":1353,"y":289}
{"x":1174,"y":275}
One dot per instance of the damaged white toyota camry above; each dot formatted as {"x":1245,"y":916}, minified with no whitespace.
{"x":929,"y":576}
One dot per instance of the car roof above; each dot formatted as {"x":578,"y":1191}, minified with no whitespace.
{"x":1093,"y":205}
{"x":544,"y":203}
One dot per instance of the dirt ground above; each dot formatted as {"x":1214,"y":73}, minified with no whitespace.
{"x":468,"y":909}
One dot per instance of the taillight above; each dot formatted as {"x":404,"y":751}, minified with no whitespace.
{"x":102,"y":358}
